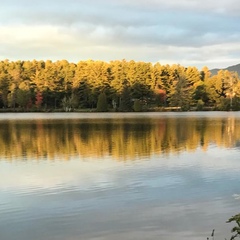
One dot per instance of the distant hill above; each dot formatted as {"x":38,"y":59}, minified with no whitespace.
{"x":234,"y":68}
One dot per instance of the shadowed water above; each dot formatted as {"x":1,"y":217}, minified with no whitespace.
{"x":118,"y":176}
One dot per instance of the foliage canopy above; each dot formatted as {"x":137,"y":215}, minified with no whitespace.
{"x":47,"y":85}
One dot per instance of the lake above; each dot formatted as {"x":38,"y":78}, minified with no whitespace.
{"x":112,"y":176}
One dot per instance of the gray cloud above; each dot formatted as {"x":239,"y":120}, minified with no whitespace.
{"x":189,"y":27}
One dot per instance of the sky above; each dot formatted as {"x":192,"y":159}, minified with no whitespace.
{"x":187,"y":32}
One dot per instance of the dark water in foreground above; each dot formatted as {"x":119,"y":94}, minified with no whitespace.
{"x":118,"y":176}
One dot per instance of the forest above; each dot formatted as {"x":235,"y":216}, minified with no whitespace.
{"x":118,"y":85}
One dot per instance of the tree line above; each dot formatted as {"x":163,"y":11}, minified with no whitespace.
{"x":114,"y":86}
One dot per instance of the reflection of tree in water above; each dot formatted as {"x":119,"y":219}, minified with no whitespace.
{"x":119,"y":138}
{"x":201,"y":127}
{"x":230,"y":128}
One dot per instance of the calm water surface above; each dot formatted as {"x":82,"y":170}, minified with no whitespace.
{"x":118,"y":176}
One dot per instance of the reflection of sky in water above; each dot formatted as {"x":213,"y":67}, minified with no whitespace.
{"x":175,"y":197}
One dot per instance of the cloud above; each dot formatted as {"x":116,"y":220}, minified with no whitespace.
{"x":98,"y":29}
{"x":236,"y":196}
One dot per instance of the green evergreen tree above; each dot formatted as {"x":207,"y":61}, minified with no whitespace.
{"x":4,"y":89}
{"x":125,"y":100}
{"x":180,"y":96}
{"x":23,"y":98}
{"x":102,"y":103}
{"x":137,"y":106}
